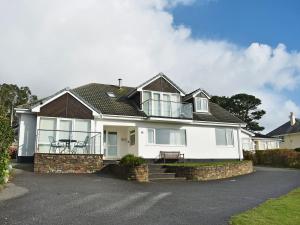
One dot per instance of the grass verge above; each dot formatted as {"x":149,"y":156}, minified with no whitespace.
{"x":284,"y":210}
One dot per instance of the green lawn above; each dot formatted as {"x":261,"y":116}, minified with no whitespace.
{"x":281,"y":211}
{"x":201,"y":164}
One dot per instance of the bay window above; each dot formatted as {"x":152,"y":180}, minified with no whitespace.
{"x":165,"y":136}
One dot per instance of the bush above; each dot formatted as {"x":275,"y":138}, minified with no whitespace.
{"x":6,"y":138}
{"x":132,"y":161}
{"x":297,"y":149}
{"x":277,"y":158}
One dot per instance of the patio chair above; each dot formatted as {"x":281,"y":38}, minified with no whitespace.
{"x":54,"y":145}
{"x":81,"y":145}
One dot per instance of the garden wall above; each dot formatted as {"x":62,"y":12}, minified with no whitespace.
{"x":138,"y":173}
{"x":212,"y":172}
{"x":276,"y":158}
{"x":67,"y":163}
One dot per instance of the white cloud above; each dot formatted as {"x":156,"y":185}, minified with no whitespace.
{"x":49,"y":45}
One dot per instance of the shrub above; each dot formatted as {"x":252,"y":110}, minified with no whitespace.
{"x":297,"y":149}
{"x":6,"y":138}
{"x":131,"y":160}
{"x":278,"y":158}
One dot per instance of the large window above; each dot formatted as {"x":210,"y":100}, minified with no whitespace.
{"x":201,"y":104}
{"x":167,"y":136}
{"x":224,"y":136}
{"x":161,"y":103}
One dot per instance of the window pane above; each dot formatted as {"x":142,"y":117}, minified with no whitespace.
{"x":65,"y":126}
{"x":147,"y":102}
{"x":229,"y":136}
{"x":82,"y":125}
{"x":162,"y":136}
{"x":166,"y":105}
{"x":156,"y":104}
{"x":48,"y":126}
{"x":220,"y":136}
{"x":182,"y":137}
{"x":150,"y":136}
{"x":204,"y":104}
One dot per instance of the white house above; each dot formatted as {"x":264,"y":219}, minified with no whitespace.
{"x":115,"y":120}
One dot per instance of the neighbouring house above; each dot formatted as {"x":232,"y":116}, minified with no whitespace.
{"x":256,"y":141}
{"x":288,"y":133}
{"x":115,"y":120}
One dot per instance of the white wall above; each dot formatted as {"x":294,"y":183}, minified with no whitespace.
{"x":27,"y":134}
{"x":246,"y":141}
{"x":265,"y":144}
{"x":201,"y":143}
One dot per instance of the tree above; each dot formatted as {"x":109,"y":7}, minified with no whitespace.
{"x":11,"y":95}
{"x":243,"y":106}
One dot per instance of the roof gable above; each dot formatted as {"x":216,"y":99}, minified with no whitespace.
{"x":66,"y":106}
{"x":160,"y":82}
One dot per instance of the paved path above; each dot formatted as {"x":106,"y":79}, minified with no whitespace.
{"x":96,"y":199}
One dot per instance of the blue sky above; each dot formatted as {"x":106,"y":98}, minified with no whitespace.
{"x":243,"y":22}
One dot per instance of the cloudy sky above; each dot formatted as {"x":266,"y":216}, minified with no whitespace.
{"x":223,"y":46}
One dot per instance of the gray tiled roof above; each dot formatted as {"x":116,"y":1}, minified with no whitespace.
{"x":96,"y":95}
{"x":217,"y":114}
{"x":286,"y":129}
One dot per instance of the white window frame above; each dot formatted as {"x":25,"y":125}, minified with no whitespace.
{"x":196,"y":104}
{"x":154,"y":137}
{"x":226,"y":129}
{"x":161,"y":99}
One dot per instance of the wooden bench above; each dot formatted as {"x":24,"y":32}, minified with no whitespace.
{"x":171,"y":156}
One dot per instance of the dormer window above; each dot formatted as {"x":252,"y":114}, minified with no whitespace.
{"x":201,"y":104}
{"x":111,"y":94}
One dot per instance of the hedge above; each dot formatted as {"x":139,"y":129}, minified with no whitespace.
{"x":6,"y":138}
{"x":276,"y":158}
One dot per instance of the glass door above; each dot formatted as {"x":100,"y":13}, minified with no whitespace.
{"x":112,"y":144}
{"x":166,"y":105}
{"x":65,"y":128}
{"x":156,"y":104}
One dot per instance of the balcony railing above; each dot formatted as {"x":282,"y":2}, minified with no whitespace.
{"x":68,"y":142}
{"x":168,"y":109}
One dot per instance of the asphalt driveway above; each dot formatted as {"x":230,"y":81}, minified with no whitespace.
{"x":97,"y":199}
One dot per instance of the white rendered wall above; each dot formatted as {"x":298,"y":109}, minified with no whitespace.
{"x":27,"y":134}
{"x":201,"y":143}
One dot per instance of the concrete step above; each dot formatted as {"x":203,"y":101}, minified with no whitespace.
{"x":167,"y":179}
{"x":161,"y":175}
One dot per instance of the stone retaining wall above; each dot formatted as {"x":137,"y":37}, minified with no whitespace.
{"x":67,"y":163}
{"x":138,"y":173}
{"x":212,"y":172}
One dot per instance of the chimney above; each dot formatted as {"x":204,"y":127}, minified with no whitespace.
{"x":292,"y":119}
{"x":120,"y":83}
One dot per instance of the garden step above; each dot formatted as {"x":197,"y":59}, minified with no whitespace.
{"x":168,"y":179}
{"x":157,"y":170}
{"x":161,"y":175}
